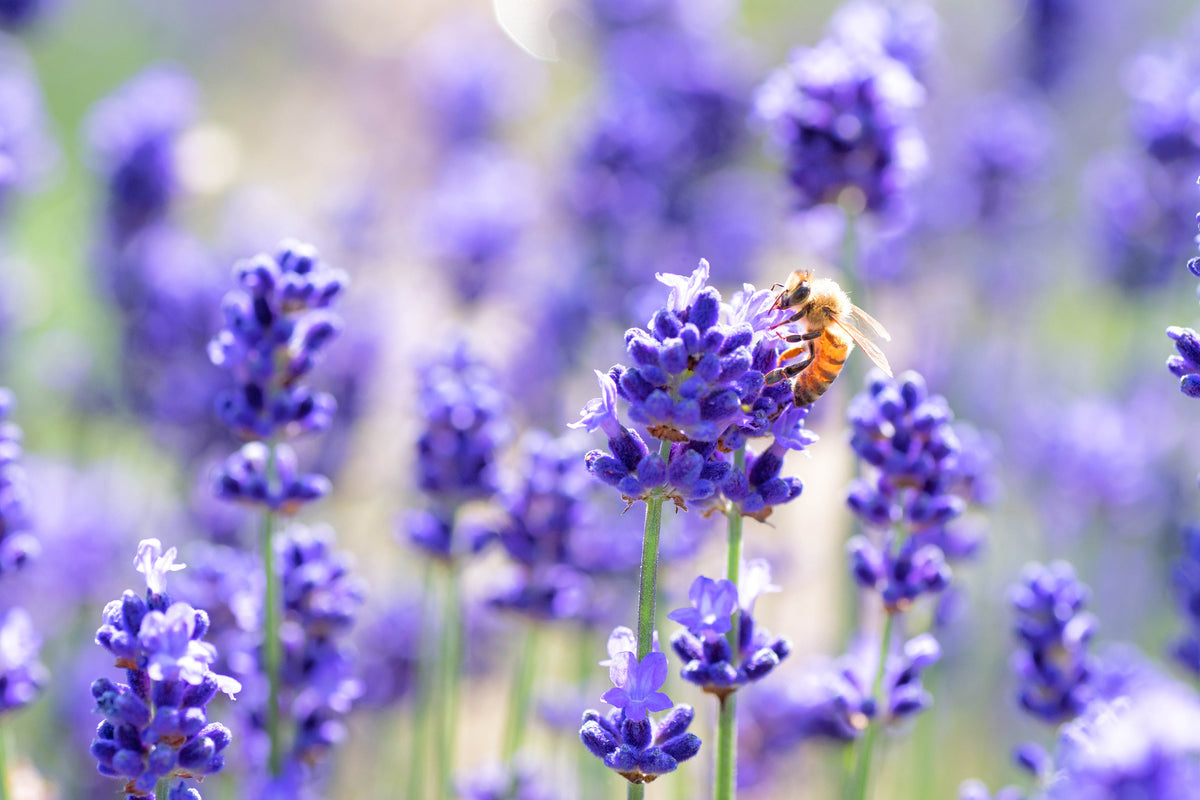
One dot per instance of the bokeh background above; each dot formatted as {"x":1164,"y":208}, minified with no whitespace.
{"x":512,"y":178}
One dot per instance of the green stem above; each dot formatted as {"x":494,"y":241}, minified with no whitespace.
{"x":451,"y":667}
{"x":648,"y":585}
{"x":518,"y":707}
{"x":424,"y":685}
{"x":162,"y":788}
{"x":926,"y":736}
{"x":725,"y":787}
{"x":649,"y":567}
{"x":862,"y":773}
{"x":4,"y":761}
{"x":272,"y":646}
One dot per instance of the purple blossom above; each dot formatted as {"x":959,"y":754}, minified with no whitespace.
{"x":17,"y":544}
{"x":636,"y":684}
{"x":278,"y":321}
{"x":152,"y":562}
{"x":1186,"y":648}
{"x":132,"y":135}
{"x":22,"y":676}
{"x":905,"y":32}
{"x":842,"y":118}
{"x":1008,"y":141}
{"x":264,"y":475}
{"x":1053,"y":664}
{"x":26,"y":151}
{"x":710,"y":614}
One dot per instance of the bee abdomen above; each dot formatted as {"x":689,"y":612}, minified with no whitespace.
{"x":828,"y":359}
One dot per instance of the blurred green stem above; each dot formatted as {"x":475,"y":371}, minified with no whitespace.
{"x":862,"y":772}
{"x":649,"y":581}
{"x":273,"y":650}
{"x":518,"y":707}
{"x":450,"y":662}
{"x":726,"y":770}
{"x":161,"y":788}
{"x":926,"y":737}
{"x":4,"y":794}
{"x":424,"y":686}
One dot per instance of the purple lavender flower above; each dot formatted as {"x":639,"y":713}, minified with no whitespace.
{"x":1007,"y":142}
{"x":710,"y":614}
{"x":156,"y":727}
{"x":277,"y":323}
{"x":696,"y":381}
{"x":1185,"y":365}
{"x":17,"y":545}
{"x":709,"y":660}
{"x":321,"y":600}
{"x":1053,"y":665}
{"x":132,"y":135}
{"x":1053,"y":32}
{"x":636,"y":684}
{"x":843,"y":119}
{"x":265,"y":475}
{"x":907,"y":32}
{"x":21,"y":675}
{"x":389,"y":653}
{"x":1143,"y":744}
{"x":1165,"y":121}
{"x":17,"y":15}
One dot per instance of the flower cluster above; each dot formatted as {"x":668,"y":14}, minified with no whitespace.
{"x":133,"y":136}
{"x":155,"y":727}
{"x":17,"y":544}
{"x":905,"y":434}
{"x":906,"y":33}
{"x":843,"y":118}
{"x":464,"y":425}
{"x":22,"y":676}
{"x":627,"y":739}
{"x":321,"y":600}
{"x":1054,"y":666}
{"x":709,"y":660}
{"x":697,"y":382}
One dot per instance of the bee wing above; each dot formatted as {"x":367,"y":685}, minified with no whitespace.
{"x":868,"y":347}
{"x":872,"y":323}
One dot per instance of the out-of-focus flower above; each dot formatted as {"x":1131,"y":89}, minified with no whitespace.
{"x":1054,"y":665}
{"x":1187,"y":597}
{"x":906,"y":32}
{"x":1053,"y":32}
{"x":132,"y":135}
{"x":22,"y":676}
{"x":1007,"y":141}
{"x":26,"y":151}
{"x":843,"y":119}
{"x":17,"y":544}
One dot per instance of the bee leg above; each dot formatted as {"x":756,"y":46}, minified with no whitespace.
{"x":791,"y":370}
{"x":803,"y":337}
{"x":799,"y":315}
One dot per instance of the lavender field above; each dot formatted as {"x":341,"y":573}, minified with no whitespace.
{"x":582,"y":399}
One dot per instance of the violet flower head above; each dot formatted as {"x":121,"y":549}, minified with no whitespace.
{"x":843,"y":119}
{"x":1165,"y":118}
{"x":906,"y":32}
{"x":278,"y":321}
{"x":17,"y":15}
{"x":259,"y":474}
{"x":710,"y":614}
{"x":132,"y":135}
{"x":1053,"y":31}
{"x":156,"y":727}
{"x":389,"y":653}
{"x":627,"y":739}
{"x":17,"y":544}
{"x":1143,"y":744}
{"x":709,"y":660}
{"x":1007,"y":145}
{"x":697,"y":379}
{"x":22,"y":676}
{"x":1053,"y":664}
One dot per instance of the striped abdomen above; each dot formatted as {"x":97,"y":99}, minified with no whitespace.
{"x":829,"y":355}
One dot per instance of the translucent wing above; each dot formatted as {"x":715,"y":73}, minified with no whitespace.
{"x":868,"y":347}
{"x":872,"y":323}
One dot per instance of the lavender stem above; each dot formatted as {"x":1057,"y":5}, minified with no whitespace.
{"x":862,"y":774}
{"x":726,"y":777}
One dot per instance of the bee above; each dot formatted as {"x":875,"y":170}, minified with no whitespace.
{"x":831,"y":335}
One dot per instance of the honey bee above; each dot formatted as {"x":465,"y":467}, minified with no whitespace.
{"x":831,"y":335}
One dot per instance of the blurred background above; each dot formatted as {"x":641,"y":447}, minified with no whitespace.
{"x":511,"y":177}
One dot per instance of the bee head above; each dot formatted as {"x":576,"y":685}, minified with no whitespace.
{"x":796,"y":291}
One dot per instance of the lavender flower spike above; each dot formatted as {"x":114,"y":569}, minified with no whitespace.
{"x":17,"y":545}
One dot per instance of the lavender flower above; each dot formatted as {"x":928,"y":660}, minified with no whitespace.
{"x":155,"y":727}
{"x":709,"y":660}
{"x":1185,"y":365}
{"x":132,"y":135}
{"x":264,"y":475}
{"x":277,"y":323}
{"x":16,"y":15}
{"x":1007,"y":144}
{"x":389,"y":648}
{"x":1053,"y":31}
{"x":697,"y":381}
{"x":907,"y":32}
{"x":1164,"y":118}
{"x":629,"y":742}
{"x":21,"y":675}
{"x":17,"y":545}
{"x":843,"y":119}
{"x":1053,"y":665}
